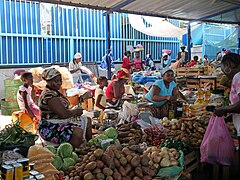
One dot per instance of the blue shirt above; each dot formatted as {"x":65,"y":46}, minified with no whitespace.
{"x":163,"y":92}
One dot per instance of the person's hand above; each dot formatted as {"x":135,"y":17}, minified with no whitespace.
{"x":219,"y":112}
{"x":168,"y":98}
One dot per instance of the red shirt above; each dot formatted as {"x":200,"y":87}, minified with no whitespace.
{"x":126,"y":63}
{"x":109,"y":91}
{"x":193,"y":63}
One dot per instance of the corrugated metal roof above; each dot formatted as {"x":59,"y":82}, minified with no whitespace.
{"x":225,"y":11}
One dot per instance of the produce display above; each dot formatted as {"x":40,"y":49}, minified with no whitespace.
{"x":191,"y":132}
{"x":178,"y":145}
{"x":14,"y":135}
{"x":113,"y":163}
{"x":131,"y":131}
{"x":162,"y":157}
{"x":155,"y":135}
{"x":231,"y":128}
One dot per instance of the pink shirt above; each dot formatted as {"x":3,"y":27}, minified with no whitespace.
{"x":234,"y":98}
{"x":20,"y":98}
{"x":138,"y":63}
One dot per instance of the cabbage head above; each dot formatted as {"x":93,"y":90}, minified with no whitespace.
{"x":98,"y":139}
{"x":67,"y":162}
{"x":51,"y":148}
{"x":58,"y":162}
{"x":74,"y":157}
{"x":65,"y":150}
{"x":111,"y":133}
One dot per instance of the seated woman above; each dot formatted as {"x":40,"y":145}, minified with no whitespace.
{"x":55,"y":115}
{"x":115,"y":89}
{"x":163,"y":94}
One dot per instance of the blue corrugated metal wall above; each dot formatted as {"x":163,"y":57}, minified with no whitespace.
{"x":72,"y":30}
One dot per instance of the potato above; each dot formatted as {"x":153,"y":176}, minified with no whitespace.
{"x":136,"y":178}
{"x":148,"y":171}
{"x":128,"y":168}
{"x":135,"y":161}
{"x":129,"y":158}
{"x":116,"y":162}
{"x":123,"y":161}
{"x":132,"y":142}
{"x":85,"y":172}
{"x":106,"y":159}
{"x":89,"y":153}
{"x":91,"y":166}
{"x":99,"y":164}
{"x":126,"y":178}
{"x":138,"y":172}
{"x":133,"y":147}
{"x":98,"y":153}
{"x":88,"y":176}
{"x":144,"y":160}
{"x":117,"y":176}
{"x":76,"y":178}
{"x":147,"y":177}
{"x":71,"y":174}
{"x":131,"y":174}
{"x":92,"y":158}
{"x":109,"y":152}
{"x":118,"y":155}
{"x":96,"y":171}
{"x":109,"y":178}
{"x":122,"y":171}
{"x":126,"y":151}
{"x":107,"y":171}
{"x":100,"y":176}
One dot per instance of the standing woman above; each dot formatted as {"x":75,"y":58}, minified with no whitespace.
{"x":230,"y":66}
{"x":138,"y":66}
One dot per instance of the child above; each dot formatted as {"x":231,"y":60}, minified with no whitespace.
{"x":24,"y":99}
{"x":100,"y":97}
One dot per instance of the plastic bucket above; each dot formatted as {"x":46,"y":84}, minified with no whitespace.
{"x":11,"y":87}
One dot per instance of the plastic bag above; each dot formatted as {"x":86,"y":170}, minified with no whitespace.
{"x":128,"y":110}
{"x":173,"y":170}
{"x":217,"y":146}
{"x":152,"y":122}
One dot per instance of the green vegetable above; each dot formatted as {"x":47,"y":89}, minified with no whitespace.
{"x":52,"y":149}
{"x":58,"y":162}
{"x":74,"y":157}
{"x":178,"y":145}
{"x":67,"y":162}
{"x":65,"y":150}
{"x":90,"y":142}
{"x":99,"y":138}
{"x":111,"y":133}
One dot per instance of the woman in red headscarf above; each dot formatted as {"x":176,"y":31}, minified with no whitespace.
{"x":115,"y":89}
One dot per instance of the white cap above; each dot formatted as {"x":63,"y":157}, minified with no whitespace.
{"x":77,"y":56}
{"x":165,"y":54}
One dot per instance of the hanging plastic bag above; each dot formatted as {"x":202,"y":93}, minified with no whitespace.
{"x":217,"y":146}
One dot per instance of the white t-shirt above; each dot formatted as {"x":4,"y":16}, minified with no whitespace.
{"x":77,"y":76}
{"x":103,"y":101}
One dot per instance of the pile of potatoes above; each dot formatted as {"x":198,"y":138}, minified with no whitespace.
{"x":131,"y":132}
{"x":162,"y":157}
{"x":115,"y":163}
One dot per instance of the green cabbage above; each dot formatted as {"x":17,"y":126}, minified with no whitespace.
{"x":111,"y":133}
{"x":58,"y":162}
{"x":74,"y":157}
{"x":90,"y":142}
{"x":67,"y":162}
{"x":98,"y":139}
{"x":51,"y":148}
{"x":65,"y":150}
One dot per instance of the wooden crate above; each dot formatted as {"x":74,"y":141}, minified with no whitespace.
{"x":87,"y":104}
{"x":191,"y":162}
{"x":187,"y":71}
{"x":192,"y":83}
{"x":218,"y":85}
{"x":208,"y":80}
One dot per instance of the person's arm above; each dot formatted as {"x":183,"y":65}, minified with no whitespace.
{"x":182,"y":96}
{"x":173,"y":98}
{"x":24,"y":95}
{"x":56,"y":106}
{"x":234,"y":108}
{"x":71,"y":68}
{"x":155,"y":94}
{"x":98,"y":102}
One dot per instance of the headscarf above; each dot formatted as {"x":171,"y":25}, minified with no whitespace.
{"x":49,"y":74}
{"x":122,"y":75}
{"x":166,"y":70}
{"x":77,"y":56}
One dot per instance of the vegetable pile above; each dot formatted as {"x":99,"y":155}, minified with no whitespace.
{"x":190,"y":132}
{"x":14,"y":135}
{"x":114,"y":163}
{"x":178,"y":145}
{"x":130,"y":131}
{"x":162,"y":157}
{"x":155,"y":135}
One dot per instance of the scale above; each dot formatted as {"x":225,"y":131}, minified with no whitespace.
{"x":111,"y":118}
